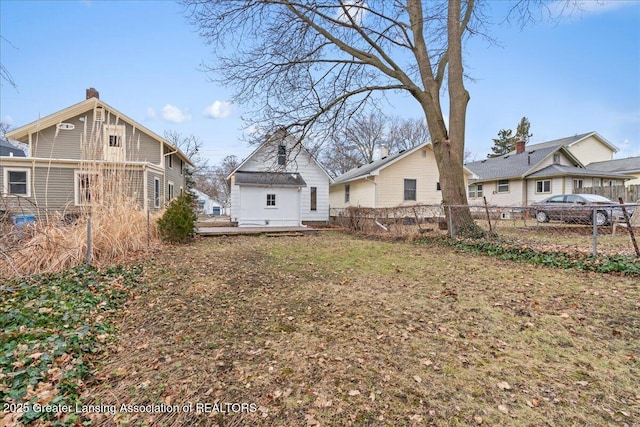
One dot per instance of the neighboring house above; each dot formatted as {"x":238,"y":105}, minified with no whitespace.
{"x":587,"y":147}
{"x":279,"y":184}
{"x":207,"y":205}
{"x":628,"y":166}
{"x":409,"y":177}
{"x":75,"y":154}
{"x":532,"y":173}
{"x":9,"y":150}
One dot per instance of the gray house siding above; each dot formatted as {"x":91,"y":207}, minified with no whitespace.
{"x":174,"y":175}
{"x":86,"y":140}
{"x":151,"y":177}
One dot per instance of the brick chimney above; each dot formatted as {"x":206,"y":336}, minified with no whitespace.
{"x":520,"y":146}
{"x":92,"y":93}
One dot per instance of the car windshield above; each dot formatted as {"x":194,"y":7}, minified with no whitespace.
{"x":594,"y":198}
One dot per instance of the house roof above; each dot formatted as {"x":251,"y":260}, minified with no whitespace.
{"x":22,"y":133}
{"x":562,"y":170}
{"x":268,"y":179}
{"x":514,"y":165}
{"x":374,"y":167}
{"x":280,"y":134}
{"x":628,"y":165}
{"x":8,"y":149}
{"x":569,"y":141}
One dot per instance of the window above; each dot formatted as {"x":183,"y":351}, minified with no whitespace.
{"x":597,"y":182}
{"x":86,"y":187}
{"x":17,"y":182}
{"x":271,"y":199}
{"x":556,"y":158}
{"x":115,"y":141}
{"x":503,"y":186}
{"x":347,"y":191}
{"x":577,"y":183}
{"x":156,"y":192}
{"x":170,"y":190}
{"x":170,"y":161}
{"x":475,"y":190}
{"x":282,"y":155}
{"x":409,"y":189}
{"x":99,"y":114}
{"x":181,"y":167}
{"x":543,"y":186}
{"x":438,"y":188}
{"x":314,"y":198}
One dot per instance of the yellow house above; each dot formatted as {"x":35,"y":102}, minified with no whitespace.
{"x":628,"y":166}
{"x":409,"y":177}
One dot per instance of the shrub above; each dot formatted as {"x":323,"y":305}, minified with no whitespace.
{"x":177,"y":224}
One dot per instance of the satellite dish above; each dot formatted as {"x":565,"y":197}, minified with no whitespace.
{"x":66,"y":126}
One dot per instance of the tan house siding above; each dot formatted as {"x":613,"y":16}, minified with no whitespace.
{"x":591,"y":150}
{"x":513,"y":197}
{"x":421,"y":166}
{"x":361,"y":193}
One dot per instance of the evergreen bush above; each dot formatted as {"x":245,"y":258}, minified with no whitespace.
{"x":177,"y":224}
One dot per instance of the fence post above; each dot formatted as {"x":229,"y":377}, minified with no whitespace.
{"x":595,"y":232}
{"x":451,"y":233}
{"x":148,"y":228}
{"x":89,"y":250}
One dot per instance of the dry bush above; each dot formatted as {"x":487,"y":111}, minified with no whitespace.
{"x":118,"y":232}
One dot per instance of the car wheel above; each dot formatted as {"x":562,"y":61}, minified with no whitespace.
{"x":542,"y":216}
{"x":601,"y":218}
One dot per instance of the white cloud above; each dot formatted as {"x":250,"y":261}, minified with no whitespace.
{"x":218,"y":110}
{"x":8,"y":120}
{"x":356,"y":9}
{"x":174,"y":114}
{"x":562,"y":8}
{"x":151,"y":113}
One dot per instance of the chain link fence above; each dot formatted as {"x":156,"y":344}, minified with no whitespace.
{"x":583,"y":229}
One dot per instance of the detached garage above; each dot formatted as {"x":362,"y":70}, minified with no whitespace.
{"x":268,"y":198}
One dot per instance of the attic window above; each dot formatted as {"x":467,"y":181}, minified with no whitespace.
{"x":556,"y":158}
{"x":282,"y":155}
{"x":99,"y":114}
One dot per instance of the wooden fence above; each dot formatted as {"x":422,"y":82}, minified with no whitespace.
{"x":629,"y":194}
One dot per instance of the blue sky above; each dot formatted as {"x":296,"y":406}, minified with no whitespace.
{"x":578,"y":74}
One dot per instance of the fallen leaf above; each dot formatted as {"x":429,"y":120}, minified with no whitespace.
{"x":354,"y":392}
{"x":478,"y":420}
{"x":417,"y":378}
{"x":582,"y":383}
{"x":504,"y":385}
{"x":564,"y":315}
{"x":503,"y":409}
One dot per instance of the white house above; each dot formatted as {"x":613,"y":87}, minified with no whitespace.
{"x":207,"y":205}
{"x":279,"y":184}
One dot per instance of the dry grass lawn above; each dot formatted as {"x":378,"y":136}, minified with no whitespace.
{"x":337,"y":330}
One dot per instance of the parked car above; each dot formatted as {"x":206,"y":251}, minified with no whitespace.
{"x":579,"y":208}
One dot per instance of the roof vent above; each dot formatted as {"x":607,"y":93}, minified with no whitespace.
{"x":505,"y":157}
{"x":383,"y":158}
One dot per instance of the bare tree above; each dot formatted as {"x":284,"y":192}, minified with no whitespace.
{"x":4,"y":72}
{"x":407,"y":133}
{"x":316,"y":63}
{"x":222,"y":186}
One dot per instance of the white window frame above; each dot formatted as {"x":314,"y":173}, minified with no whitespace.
{"x":475,"y":191}
{"x":170,"y":190}
{"x":76,"y":187}
{"x":156,"y":192}
{"x":415,"y":190}
{"x":170,"y":161}
{"x":273,"y":202}
{"x":115,"y":153}
{"x":5,"y":181}
{"x":347,"y":193}
{"x":578,"y":181}
{"x":542,"y":182}
{"x":505,"y":182}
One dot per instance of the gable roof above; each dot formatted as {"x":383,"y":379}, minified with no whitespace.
{"x":569,"y":141}
{"x":280,"y":134}
{"x":267,"y":179}
{"x":630,"y":164}
{"x":515,"y":165}
{"x":22,"y":133}
{"x":374,"y":167}
{"x":8,"y":149}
